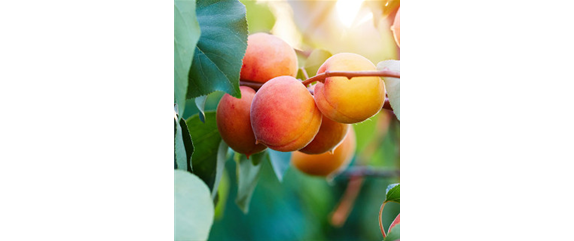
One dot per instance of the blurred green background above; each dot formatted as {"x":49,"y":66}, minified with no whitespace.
{"x":300,"y":207}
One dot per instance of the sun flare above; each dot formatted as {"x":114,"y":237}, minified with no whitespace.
{"x":347,"y":10}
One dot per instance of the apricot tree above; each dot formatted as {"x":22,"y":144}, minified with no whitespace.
{"x":282,"y":105}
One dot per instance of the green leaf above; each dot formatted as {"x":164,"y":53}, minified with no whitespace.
{"x":393,"y":193}
{"x":366,"y":131}
{"x":259,"y":16}
{"x":206,"y":158}
{"x":247,"y":175}
{"x":187,"y":142}
{"x":280,"y":162}
{"x":220,"y":166}
{"x":258,"y":157}
{"x":392,"y":85}
{"x":175,"y":139}
{"x":186,"y":35}
{"x":223,"y":192}
{"x":183,"y":146}
{"x":193,"y":207}
{"x":200,"y":103}
{"x":394,"y":233}
{"x":219,"y":53}
{"x":315,"y":60}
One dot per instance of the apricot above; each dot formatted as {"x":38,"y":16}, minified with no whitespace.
{"x":284,"y":116}
{"x":330,"y":135}
{"x":267,"y":57}
{"x":349,"y":100}
{"x":327,"y":163}
{"x":234,"y":122}
{"x":396,"y":28}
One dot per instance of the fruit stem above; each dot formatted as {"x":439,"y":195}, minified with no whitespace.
{"x":381,"y":220}
{"x":253,"y":85}
{"x":350,"y":74}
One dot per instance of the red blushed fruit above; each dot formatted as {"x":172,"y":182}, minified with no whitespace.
{"x":284,"y":116}
{"x":267,"y":57}
{"x":330,"y":135}
{"x":234,"y":124}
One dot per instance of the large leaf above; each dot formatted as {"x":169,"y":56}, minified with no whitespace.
{"x":206,"y":141}
{"x":393,"y":85}
{"x":186,"y":35}
{"x":193,"y":207}
{"x":247,"y":175}
{"x":280,"y":162}
{"x":219,"y":53}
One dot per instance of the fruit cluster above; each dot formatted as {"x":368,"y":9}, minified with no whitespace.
{"x":283,"y":114}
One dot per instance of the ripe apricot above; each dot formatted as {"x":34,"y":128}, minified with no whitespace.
{"x":330,"y":135}
{"x":349,"y":100}
{"x":327,"y":163}
{"x":284,"y":116}
{"x":234,"y":122}
{"x":396,"y":28}
{"x":267,"y":57}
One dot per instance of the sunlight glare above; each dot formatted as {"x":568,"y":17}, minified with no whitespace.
{"x":347,"y":10}
{"x":364,"y":19}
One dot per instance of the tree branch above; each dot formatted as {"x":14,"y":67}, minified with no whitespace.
{"x":363,"y":171}
{"x":321,"y":77}
{"x":350,"y":74}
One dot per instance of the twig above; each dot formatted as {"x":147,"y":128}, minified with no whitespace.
{"x":351,"y":74}
{"x":339,"y":216}
{"x":321,"y":77}
{"x":363,"y":171}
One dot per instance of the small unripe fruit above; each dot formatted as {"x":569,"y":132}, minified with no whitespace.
{"x":349,"y":100}
{"x":396,"y":28}
{"x":234,"y":122}
{"x":267,"y":57}
{"x":327,"y":163}
{"x":284,"y":116}
{"x":395,"y":222}
{"x":330,"y":135}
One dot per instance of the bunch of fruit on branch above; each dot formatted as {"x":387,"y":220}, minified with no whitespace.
{"x":285,"y":115}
